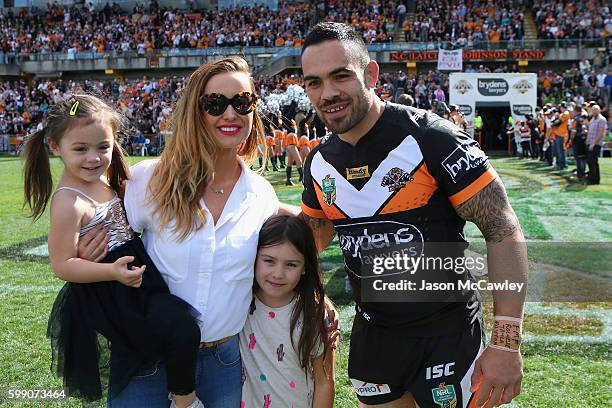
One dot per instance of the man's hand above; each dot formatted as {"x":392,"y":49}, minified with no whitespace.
{"x":93,"y":245}
{"x":497,"y":377}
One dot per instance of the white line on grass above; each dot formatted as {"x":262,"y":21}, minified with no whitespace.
{"x":29,"y":288}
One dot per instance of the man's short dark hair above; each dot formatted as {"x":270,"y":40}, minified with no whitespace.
{"x":331,"y":31}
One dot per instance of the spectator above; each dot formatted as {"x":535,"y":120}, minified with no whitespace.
{"x":596,"y":132}
{"x":405,"y":99}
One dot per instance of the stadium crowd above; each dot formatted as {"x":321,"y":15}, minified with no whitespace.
{"x":82,"y":28}
{"x":572,"y":20}
{"x":147,"y":103}
{"x":466,"y":23}
{"x":77,"y":29}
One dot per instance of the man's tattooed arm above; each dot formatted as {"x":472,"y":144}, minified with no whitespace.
{"x":490,"y":210}
{"x":322,"y":229}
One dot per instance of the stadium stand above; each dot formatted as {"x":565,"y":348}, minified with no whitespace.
{"x":465,"y":23}
{"x":572,"y":20}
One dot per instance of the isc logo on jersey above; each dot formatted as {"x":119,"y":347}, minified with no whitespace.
{"x":439,"y":370}
{"x":366,"y":389}
{"x":464,"y":158}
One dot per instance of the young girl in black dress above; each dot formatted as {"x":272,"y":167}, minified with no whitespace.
{"x":129,"y":306}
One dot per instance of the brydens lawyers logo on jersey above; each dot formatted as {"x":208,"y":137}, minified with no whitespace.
{"x":464,"y":158}
{"x":362,"y":243}
{"x":396,"y":179}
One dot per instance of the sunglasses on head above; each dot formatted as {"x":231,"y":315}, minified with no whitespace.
{"x":215,"y":104}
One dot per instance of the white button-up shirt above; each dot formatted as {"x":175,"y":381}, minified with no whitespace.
{"x":213,"y":268}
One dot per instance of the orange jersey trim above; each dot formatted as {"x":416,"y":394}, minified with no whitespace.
{"x":471,"y":190}
{"x":303,"y":141}
{"x":416,"y":193}
{"x":311,"y":212}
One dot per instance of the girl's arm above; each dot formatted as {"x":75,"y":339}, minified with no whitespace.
{"x":66,"y":216}
{"x":325,"y":376}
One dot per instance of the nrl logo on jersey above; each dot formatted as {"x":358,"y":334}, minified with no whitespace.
{"x":328,"y":187}
{"x":445,"y":396}
{"x":396,"y":179}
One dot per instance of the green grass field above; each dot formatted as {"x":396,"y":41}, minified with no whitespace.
{"x":567,"y":347}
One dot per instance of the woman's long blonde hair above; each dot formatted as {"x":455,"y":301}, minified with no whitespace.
{"x":186,"y":165}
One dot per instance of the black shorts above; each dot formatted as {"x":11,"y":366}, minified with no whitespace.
{"x":385,"y":364}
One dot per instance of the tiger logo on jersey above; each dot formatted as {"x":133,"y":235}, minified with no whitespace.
{"x":396,"y":179}
{"x":328,"y":188}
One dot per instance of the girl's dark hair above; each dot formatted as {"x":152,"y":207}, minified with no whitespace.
{"x":310,"y":292}
{"x":61,"y":117}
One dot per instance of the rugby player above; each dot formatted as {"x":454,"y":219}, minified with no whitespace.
{"x":389,"y":177}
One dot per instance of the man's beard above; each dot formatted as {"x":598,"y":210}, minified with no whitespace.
{"x":359,"y":108}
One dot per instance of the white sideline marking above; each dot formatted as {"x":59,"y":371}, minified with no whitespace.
{"x":29,"y":288}
{"x":41,"y":250}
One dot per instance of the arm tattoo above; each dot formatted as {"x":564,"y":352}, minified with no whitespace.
{"x":315,"y":223}
{"x":322,"y":229}
{"x":490,"y":210}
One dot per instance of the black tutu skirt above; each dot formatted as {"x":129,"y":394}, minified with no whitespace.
{"x":88,"y":320}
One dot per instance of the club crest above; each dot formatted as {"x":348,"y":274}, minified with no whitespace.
{"x":396,"y":179}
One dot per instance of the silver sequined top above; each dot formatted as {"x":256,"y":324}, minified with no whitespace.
{"x":112,"y":215}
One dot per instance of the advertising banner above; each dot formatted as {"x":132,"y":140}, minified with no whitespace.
{"x":517,"y":91}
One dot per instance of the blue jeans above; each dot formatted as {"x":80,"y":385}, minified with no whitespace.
{"x":559,"y":152}
{"x":218,"y":381}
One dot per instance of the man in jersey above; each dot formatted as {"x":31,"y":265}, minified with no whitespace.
{"x":389,"y":179}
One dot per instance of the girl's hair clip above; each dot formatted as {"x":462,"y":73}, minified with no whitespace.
{"x":73,"y":109}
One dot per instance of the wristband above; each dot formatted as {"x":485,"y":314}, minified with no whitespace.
{"x":506,"y":333}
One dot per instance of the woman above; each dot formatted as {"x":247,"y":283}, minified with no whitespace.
{"x":201,"y":208}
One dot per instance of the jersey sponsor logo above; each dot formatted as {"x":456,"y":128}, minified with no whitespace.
{"x":328,"y":188}
{"x":493,"y":86}
{"x":463,"y":159}
{"x":366,"y":389}
{"x":363,"y":243}
{"x":396,"y":179}
{"x":440,"y":370}
{"x":357,"y":173}
{"x":444,"y":396}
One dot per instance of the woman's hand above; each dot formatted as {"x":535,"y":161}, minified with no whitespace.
{"x":93,"y":245}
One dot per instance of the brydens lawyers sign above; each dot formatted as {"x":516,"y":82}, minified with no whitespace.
{"x":519,"y":91}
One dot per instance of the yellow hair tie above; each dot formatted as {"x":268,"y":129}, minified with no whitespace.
{"x":74,"y":108}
